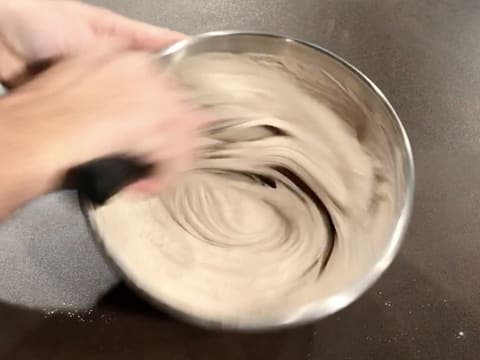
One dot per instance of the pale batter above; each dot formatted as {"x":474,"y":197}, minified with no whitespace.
{"x":289,"y":197}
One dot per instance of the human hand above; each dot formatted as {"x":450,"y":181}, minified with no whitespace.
{"x":107,"y":100}
{"x":36,"y":30}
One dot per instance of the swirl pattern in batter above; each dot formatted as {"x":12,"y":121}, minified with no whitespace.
{"x":290,"y":193}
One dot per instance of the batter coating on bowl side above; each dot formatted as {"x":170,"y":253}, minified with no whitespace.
{"x":289,"y":198}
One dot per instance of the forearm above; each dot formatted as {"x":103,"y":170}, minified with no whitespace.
{"x":26,"y":171}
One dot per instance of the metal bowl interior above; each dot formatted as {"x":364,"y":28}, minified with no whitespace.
{"x":314,"y":57}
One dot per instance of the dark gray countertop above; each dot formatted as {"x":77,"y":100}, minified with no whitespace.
{"x":425,"y":56}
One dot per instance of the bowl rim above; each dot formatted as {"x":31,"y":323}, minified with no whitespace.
{"x":321,"y":308}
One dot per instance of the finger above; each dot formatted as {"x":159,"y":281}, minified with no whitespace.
{"x":11,"y":66}
{"x":143,"y":187}
{"x":29,"y":72}
{"x":138,"y":35}
{"x":167,"y":173}
{"x":172,"y":159}
{"x":181,"y":159}
{"x":186,"y":109}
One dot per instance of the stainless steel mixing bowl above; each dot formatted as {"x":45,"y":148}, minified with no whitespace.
{"x":364,"y":89}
